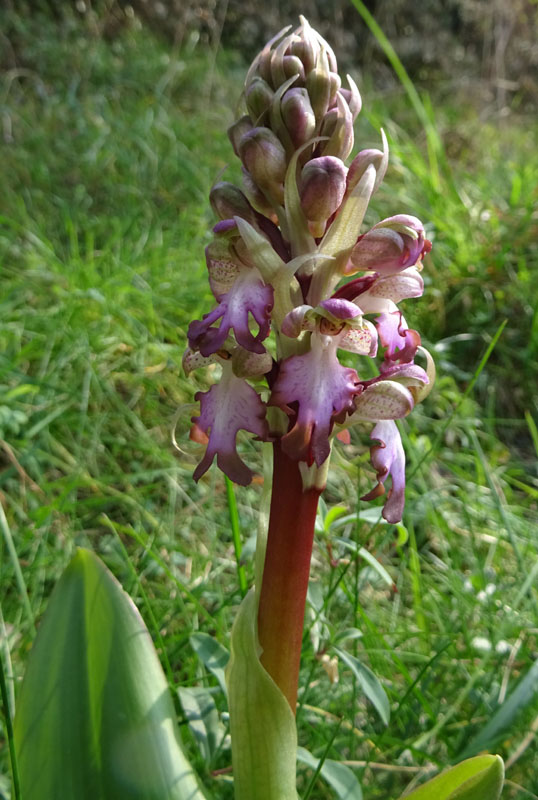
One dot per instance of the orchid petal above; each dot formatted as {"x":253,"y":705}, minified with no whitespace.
{"x":406,"y":374}
{"x":340,"y":308}
{"x":226,"y":408}
{"x":222,"y":268}
{"x":401,"y":342}
{"x":296,"y":321}
{"x":424,"y":390}
{"x":322,"y":388}
{"x":381,"y":401}
{"x":388,"y":458}
{"x":390,"y":246}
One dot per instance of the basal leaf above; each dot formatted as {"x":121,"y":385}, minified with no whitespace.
{"x":479,"y":778}
{"x":95,"y":719}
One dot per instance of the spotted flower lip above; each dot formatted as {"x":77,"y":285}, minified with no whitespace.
{"x":229,"y":406}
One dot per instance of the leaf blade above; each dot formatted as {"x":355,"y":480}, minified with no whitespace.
{"x":95,"y":718}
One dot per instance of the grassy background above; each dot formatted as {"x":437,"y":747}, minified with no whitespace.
{"x":109,"y":150}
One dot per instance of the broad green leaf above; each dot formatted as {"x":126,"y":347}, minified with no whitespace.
{"x":203,"y":718}
{"x":369,"y":684}
{"x":212,"y":655}
{"x":338,"y":776}
{"x":501,"y":721}
{"x":479,"y":778}
{"x":264,"y":738}
{"x":95,"y":719}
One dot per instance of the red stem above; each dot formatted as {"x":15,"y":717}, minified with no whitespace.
{"x":286,"y":572}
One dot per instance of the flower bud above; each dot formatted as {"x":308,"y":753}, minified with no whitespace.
{"x":306,"y":49}
{"x":363,"y":160}
{"x":259,"y":97}
{"x":328,"y":126}
{"x":264,"y":157}
{"x":391,"y":246}
{"x":228,"y":201}
{"x":238,"y":130}
{"x":323,"y":183}
{"x":298,"y":116}
{"x":293,"y":66}
{"x":255,"y":195}
{"x":336,"y":83}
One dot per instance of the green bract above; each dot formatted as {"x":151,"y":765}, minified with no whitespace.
{"x":264,"y":738}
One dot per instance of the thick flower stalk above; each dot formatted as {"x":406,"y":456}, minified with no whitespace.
{"x":297,"y":282}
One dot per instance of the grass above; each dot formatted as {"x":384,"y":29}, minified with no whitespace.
{"x":110,"y":149}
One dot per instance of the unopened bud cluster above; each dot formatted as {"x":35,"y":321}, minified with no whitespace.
{"x":283,"y":244}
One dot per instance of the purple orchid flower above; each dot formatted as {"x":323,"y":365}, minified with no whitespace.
{"x":226,"y":408}
{"x":388,"y":458}
{"x":322,"y":390}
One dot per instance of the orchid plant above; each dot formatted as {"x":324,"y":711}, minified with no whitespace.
{"x":297,"y":284}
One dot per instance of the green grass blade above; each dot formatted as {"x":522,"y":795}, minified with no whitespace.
{"x":236,"y":534}
{"x":502,"y":719}
{"x":441,"y":432}
{"x":434,"y":143}
{"x":19,"y":577}
{"x":4,"y":696}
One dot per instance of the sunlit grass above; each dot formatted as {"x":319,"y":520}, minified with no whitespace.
{"x":109,"y":153}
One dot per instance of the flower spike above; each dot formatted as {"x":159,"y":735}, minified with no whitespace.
{"x":280,"y":266}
